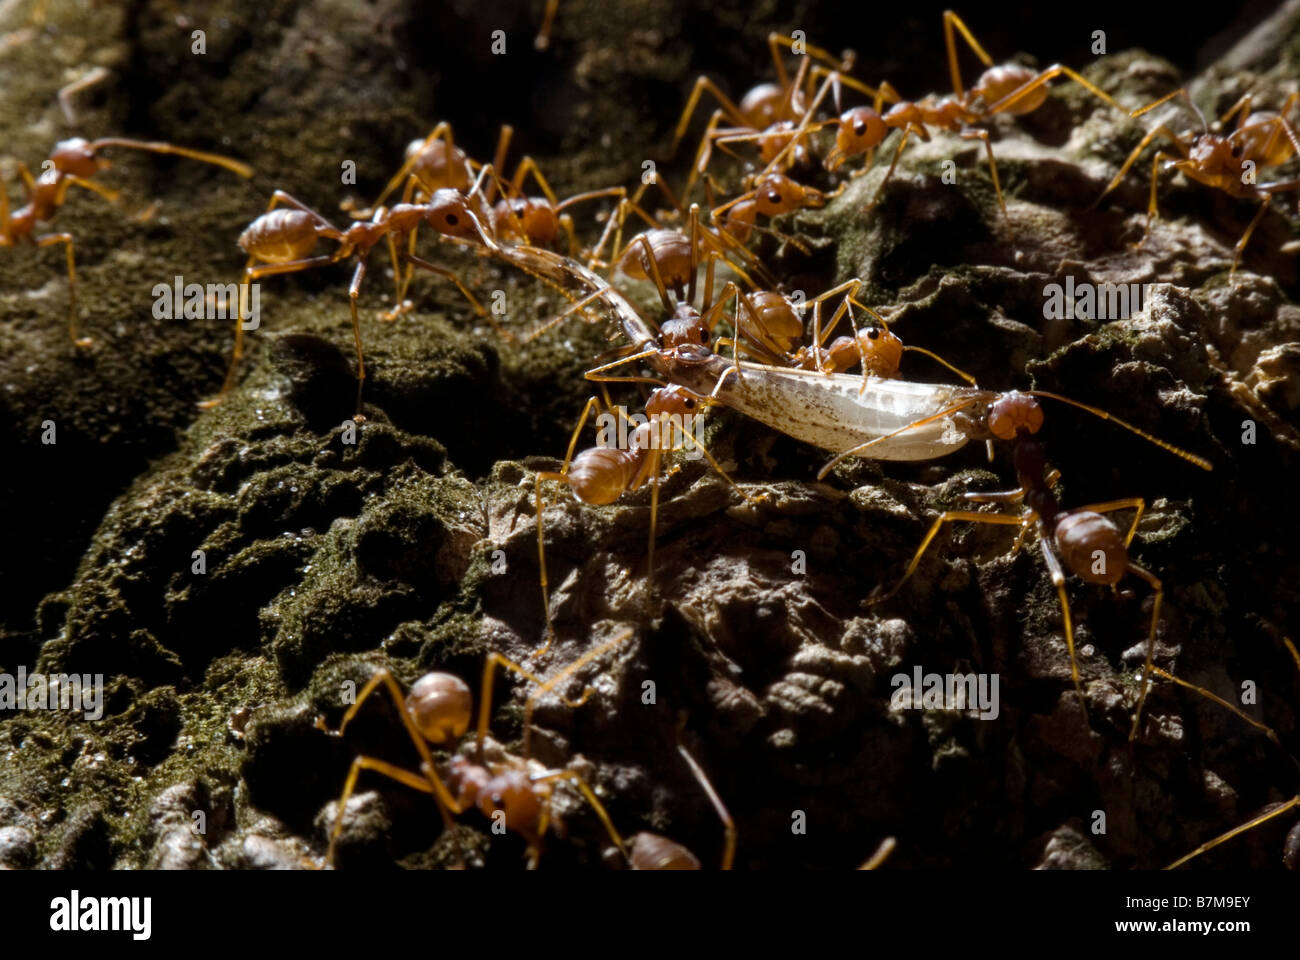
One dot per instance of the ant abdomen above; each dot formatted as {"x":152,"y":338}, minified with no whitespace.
{"x":1092,"y":547}
{"x":440,"y":704}
{"x":1002,"y":81}
{"x":600,"y":475}
{"x":280,"y":235}
{"x":650,"y":851}
{"x":774,"y":316}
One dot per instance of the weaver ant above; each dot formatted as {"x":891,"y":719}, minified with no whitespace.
{"x":1089,"y":545}
{"x":282,"y":240}
{"x":1226,"y":163}
{"x":73,"y":162}
{"x":766,"y":115}
{"x":1005,"y":88}
{"x":508,"y":788}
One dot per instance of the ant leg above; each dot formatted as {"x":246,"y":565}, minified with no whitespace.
{"x":404,"y":777}
{"x":1240,"y":248}
{"x":66,"y":93}
{"x":1058,"y":581}
{"x":441,"y":132}
{"x":728,"y":824}
{"x":590,"y":796}
{"x":433,"y":784}
{"x":563,"y":477}
{"x":975,"y":134}
{"x":1051,"y":73}
{"x":479,"y":309}
{"x":499,"y":163}
{"x":237,"y":353}
{"x":1242,"y":106}
{"x":1136,"y":504}
{"x":882,"y":853}
{"x":897,"y":153}
{"x":951,"y":20}
{"x":543,"y":38}
{"x":526,"y":166}
{"x":234,"y":166}
{"x":66,"y":240}
{"x":112,"y":196}
{"x":354,"y":291}
{"x":1137,"y":151}
{"x":1002,"y":519}
{"x":1267,"y":730}
{"x":546,"y":686}
{"x":1277,"y":811}
{"x":1151,"y":641}
{"x":495,"y":660}
{"x":728,"y":106}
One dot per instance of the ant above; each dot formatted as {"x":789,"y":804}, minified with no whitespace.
{"x":435,"y":163}
{"x":1291,"y":845}
{"x":600,"y":475}
{"x":1089,"y":544}
{"x":767,"y":114}
{"x":1008,"y":88}
{"x":73,"y":162}
{"x":1227,"y":163}
{"x":507,"y":788}
{"x":283,"y":239}
{"x":770,"y":327}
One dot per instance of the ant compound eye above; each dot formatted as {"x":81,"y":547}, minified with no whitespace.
{"x":774,"y":196}
{"x":873,"y":334}
{"x":452,"y":220}
{"x":860,"y":129}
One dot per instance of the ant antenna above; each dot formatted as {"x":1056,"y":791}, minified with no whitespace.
{"x":1098,"y":412}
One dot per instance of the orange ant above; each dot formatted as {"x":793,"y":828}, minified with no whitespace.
{"x":283,"y":239}
{"x":767,"y":114}
{"x":1089,"y":545}
{"x":1227,"y":163}
{"x":1005,"y":88}
{"x":508,"y":788}
{"x":72,"y":163}
{"x":437,"y":711}
{"x":600,"y":475}
{"x":770,"y":327}
{"x":537,"y":221}
{"x":1291,"y":846}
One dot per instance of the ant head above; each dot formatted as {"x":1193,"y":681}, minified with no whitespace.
{"x":1014,"y":413}
{"x":860,"y":129}
{"x":75,"y":157}
{"x":449,"y":213}
{"x":775,"y":194}
{"x":683,"y":328}
{"x":673,"y":399}
{"x":1002,"y":81}
{"x":882,"y":351}
{"x":440,"y":704}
